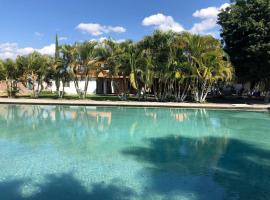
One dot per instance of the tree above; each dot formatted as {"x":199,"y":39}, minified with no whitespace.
{"x":80,"y":59}
{"x":160,"y":59}
{"x":86,"y":60}
{"x":132,"y":56}
{"x":111,"y":54}
{"x":37,"y":68}
{"x":57,"y":67}
{"x":57,"y":48}
{"x":121,"y":59}
{"x":2,"y":76}
{"x":10,"y":72}
{"x":173,"y":65}
{"x":246,"y":36}
{"x":63,"y":67}
{"x":208,"y":64}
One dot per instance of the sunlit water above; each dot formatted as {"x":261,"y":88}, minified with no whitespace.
{"x":62,"y":152}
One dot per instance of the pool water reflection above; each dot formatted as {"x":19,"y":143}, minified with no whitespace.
{"x":69,"y":152}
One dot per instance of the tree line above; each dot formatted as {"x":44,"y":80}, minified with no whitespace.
{"x":167,"y":65}
{"x":164,"y":65}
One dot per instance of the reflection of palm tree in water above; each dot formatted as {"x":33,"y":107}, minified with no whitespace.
{"x":151,"y":114}
{"x":37,"y":122}
{"x":179,"y":116}
{"x":175,"y":114}
{"x":101,"y":115}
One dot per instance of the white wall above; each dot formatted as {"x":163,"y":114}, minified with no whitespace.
{"x":92,"y":86}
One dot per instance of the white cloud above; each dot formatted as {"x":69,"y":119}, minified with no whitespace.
{"x":12,"y":50}
{"x":47,"y":50}
{"x":207,"y":25}
{"x":163,"y":23}
{"x":39,"y":34}
{"x":205,"y":13}
{"x":203,"y":26}
{"x":116,"y":29}
{"x":209,"y":19}
{"x":224,"y":6}
{"x":62,"y":38}
{"x":120,"y":40}
{"x":97,"y":29}
{"x":101,"y":39}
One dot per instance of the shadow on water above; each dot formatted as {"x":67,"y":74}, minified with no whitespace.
{"x":174,"y":167}
{"x":64,"y":187}
{"x":208,"y":168}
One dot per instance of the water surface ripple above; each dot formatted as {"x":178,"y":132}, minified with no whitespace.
{"x":83,"y":153}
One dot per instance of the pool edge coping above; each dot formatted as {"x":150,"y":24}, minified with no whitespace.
{"x":252,"y":107}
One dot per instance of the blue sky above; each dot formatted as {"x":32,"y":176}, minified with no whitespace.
{"x":28,"y":25}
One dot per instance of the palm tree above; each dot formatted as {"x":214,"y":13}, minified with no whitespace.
{"x":122,"y":60}
{"x":169,"y":65}
{"x":145,"y":72}
{"x":87,"y":60}
{"x":65,"y":67}
{"x":132,"y":55}
{"x":112,"y":52}
{"x":10,"y":72}
{"x":22,"y":62}
{"x":208,"y":64}
{"x":37,"y":67}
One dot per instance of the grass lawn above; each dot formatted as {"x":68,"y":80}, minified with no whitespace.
{"x":219,"y":99}
{"x":50,"y":95}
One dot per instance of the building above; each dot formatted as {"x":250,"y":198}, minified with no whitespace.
{"x":100,"y":82}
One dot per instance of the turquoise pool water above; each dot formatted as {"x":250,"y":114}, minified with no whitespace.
{"x":66,"y":152}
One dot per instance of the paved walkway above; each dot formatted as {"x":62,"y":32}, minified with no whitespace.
{"x":257,"y":107}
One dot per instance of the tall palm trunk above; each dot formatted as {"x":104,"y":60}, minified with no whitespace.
{"x":33,"y":84}
{"x":57,"y":84}
{"x":62,"y":93}
{"x":8,"y":87}
{"x":78,"y":90}
{"x":267,"y":96}
{"x":86,"y":86}
{"x":39,"y":88}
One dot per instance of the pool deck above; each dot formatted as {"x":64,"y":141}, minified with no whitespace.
{"x":255,"y":107}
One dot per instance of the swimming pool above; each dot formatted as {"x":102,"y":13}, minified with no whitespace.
{"x":72,"y":152}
